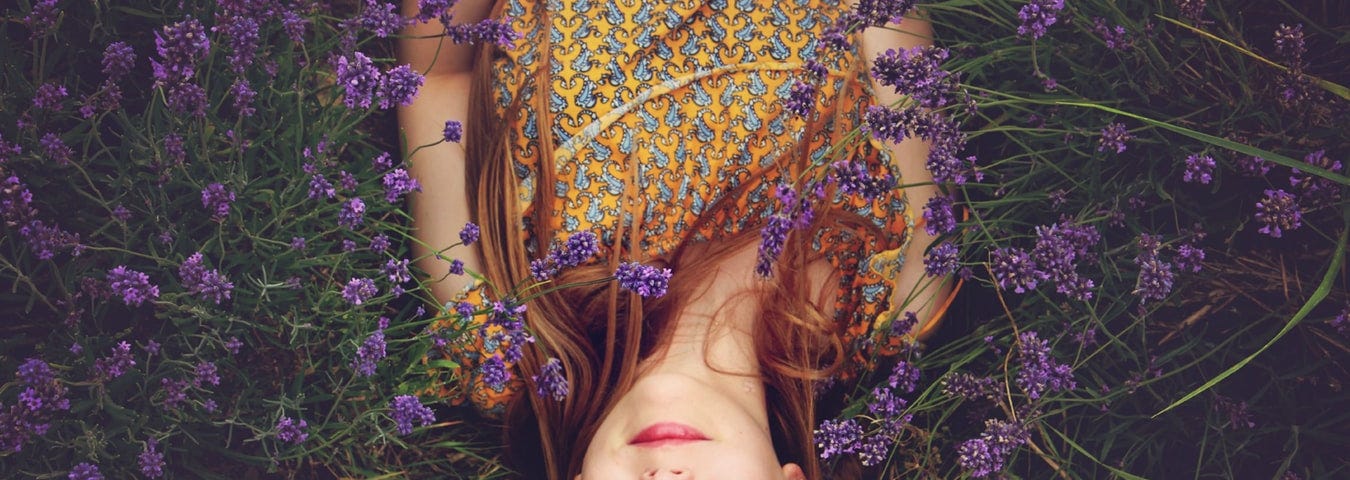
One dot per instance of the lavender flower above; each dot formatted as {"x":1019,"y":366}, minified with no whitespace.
{"x":1013,"y":268}
{"x":348,"y":245}
{"x":1155,"y":275}
{"x":1039,"y":372}
{"x":550,"y":382}
{"x":151,"y":460}
{"x":1114,"y":37}
{"x":885,"y":404}
{"x":1289,"y":44}
{"x":298,"y":243}
{"x":405,"y":409}
{"x":291,"y":430}
{"x":294,"y":25}
{"x":1199,"y":168}
{"x":48,"y":240}
{"x":645,"y":280}
{"x":397,"y":270}
{"x":1278,"y":211}
{"x":1191,"y":9}
{"x":379,"y":243}
{"x":180,"y":46}
{"x":175,"y":392}
{"x":494,"y":373}
{"x":1341,"y":322}
{"x":42,"y":18}
{"x":853,"y":179}
{"x":319,"y":186}
{"x":207,"y":284}
{"x":457,"y":267}
{"x":881,"y":12}
{"x":382,"y":162}
{"x":1312,"y":190}
{"x":359,"y":290}
{"x":937,"y":215}
{"x":454,"y":131}
{"x":838,"y":437}
{"x":801,"y":100}
{"x":1190,"y":257}
{"x":56,"y":149}
{"x":359,"y":79}
{"x":118,"y":59}
{"x":113,"y":366}
{"x":428,"y":10}
{"x":890,"y":124}
{"x":233,"y":345}
{"x":797,"y":211}
{"x":469,"y":233}
{"x":493,"y":30}
{"x":187,"y":98}
{"x":399,"y":86}
{"x":369,"y":354}
{"x":1037,"y":15}
{"x":353,"y":213}
{"x":346,"y":180}
{"x":1114,"y":136}
{"x":873,"y":449}
{"x":986,"y":455}
{"x":241,"y":35}
{"x":941,"y":260}
{"x":1253,"y":166}
{"x":120,"y":213}
{"x":133,"y":286}
{"x":49,"y":97}
{"x":243,"y":95}
{"x":398,"y":183}
{"x":904,"y":375}
{"x":85,"y":471}
{"x":916,"y":72}
{"x":217,"y":200}
{"x":967,"y":386}
{"x":205,"y":373}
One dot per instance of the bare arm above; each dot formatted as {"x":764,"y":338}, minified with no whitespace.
{"x":442,"y":207}
{"x":909,"y":157}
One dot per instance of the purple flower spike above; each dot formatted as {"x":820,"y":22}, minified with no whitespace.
{"x":291,"y":430}
{"x":398,"y":183}
{"x":1114,"y":137}
{"x":399,"y":86}
{"x":369,"y":354}
{"x":359,"y":79}
{"x":113,"y":366}
{"x":985,"y":456}
{"x":469,"y":233}
{"x":49,"y":96}
{"x":217,"y":200}
{"x":85,"y":471}
{"x":1038,"y":15}
{"x":118,"y":59}
{"x":454,"y":131}
{"x":207,"y":284}
{"x":645,"y":280}
{"x":353,"y":213}
{"x":359,"y":290}
{"x":406,"y":409}
{"x":1199,"y":168}
{"x":1278,"y":211}
{"x":550,"y":382}
{"x":941,"y":260}
{"x":838,"y":437}
{"x":151,"y":460}
{"x":134,"y":287}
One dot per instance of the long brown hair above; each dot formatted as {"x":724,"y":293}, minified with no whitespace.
{"x":600,"y":333}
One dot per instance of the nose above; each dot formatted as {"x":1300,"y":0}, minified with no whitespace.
{"x":667,"y":474}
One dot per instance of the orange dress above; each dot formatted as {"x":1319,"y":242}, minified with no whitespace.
{"x":684,"y":100}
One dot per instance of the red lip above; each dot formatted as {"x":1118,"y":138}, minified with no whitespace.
{"x":667,"y":433}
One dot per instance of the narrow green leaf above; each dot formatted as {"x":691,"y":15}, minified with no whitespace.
{"x":1323,"y":288}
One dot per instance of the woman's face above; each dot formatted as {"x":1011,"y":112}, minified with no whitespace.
{"x":676,"y":426}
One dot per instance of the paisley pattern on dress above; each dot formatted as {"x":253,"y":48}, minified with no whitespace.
{"x":683,"y":100}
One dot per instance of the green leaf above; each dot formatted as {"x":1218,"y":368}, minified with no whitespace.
{"x":1323,"y":288}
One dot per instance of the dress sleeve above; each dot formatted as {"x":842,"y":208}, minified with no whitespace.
{"x":467,"y":344}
